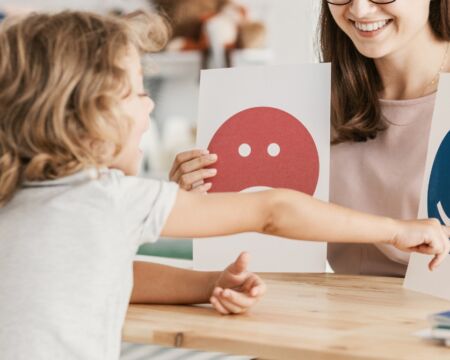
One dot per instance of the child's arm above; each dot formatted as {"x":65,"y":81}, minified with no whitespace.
{"x":295,"y":215}
{"x":233,"y":290}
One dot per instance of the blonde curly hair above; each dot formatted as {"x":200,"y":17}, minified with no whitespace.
{"x":60,"y":86}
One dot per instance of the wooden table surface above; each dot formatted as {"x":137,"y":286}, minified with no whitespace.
{"x":302,"y":316}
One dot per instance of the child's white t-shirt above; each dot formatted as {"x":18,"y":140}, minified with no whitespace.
{"x":66,"y":261}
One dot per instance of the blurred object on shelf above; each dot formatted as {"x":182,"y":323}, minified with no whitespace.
{"x":187,"y":18}
{"x":252,"y":35}
{"x":213,"y":27}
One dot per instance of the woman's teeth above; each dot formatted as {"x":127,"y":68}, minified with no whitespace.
{"x":367,"y":27}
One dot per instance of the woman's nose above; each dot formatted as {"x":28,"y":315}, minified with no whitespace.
{"x":361,"y":9}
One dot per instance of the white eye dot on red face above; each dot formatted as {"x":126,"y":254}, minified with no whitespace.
{"x":245,"y":150}
{"x":273,"y":150}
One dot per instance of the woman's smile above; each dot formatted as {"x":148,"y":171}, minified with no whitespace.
{"x":368,"y":29}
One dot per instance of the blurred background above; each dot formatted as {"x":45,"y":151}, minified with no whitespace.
{"x":207,"y":34}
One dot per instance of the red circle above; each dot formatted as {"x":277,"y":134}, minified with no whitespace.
{"x":295,"y":167}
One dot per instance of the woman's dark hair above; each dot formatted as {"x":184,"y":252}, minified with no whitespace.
{"x":356,"y":83}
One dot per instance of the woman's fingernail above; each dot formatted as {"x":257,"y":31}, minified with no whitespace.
{"x":205,"y":152}
{"x":212,"y":171}
{"x":212,"y":157}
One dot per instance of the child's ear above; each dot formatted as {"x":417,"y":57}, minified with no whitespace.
{"x":104,"y":152}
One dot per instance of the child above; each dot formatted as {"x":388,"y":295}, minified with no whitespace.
{"x":72,"y":215}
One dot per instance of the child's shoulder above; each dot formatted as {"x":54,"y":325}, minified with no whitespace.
{"x":99,"y":187}
{"x":134,"y":189}
{"x":116,"y":180}
{"x":92,"y":183}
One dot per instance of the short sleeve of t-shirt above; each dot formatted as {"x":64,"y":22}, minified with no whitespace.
{"x":143,"y":205}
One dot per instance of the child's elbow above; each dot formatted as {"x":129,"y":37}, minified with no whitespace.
{"x":278,"y":203}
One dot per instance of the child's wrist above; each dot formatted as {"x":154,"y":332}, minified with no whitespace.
{"x":392,"y":230}
{"x":213,"y":278}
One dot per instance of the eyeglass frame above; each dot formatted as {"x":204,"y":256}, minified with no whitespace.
{"x":372,"y":1}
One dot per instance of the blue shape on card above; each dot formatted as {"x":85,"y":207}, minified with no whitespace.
{"x":439,"y":186}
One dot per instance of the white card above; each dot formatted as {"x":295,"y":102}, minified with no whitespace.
{"x":270,"y":127}
{"x":435,"y":200}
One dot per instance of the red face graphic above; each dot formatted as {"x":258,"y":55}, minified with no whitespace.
{"x":264,"y":146}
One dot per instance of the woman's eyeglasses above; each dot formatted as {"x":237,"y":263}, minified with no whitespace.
{"x":345,"y":2}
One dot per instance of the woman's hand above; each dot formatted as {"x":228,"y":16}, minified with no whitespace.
{"x":189,"y":170}
{"x":426,"y":237}
{"x":236,"y":290}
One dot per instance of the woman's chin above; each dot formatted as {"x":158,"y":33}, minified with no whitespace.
{"x":372,"y":52}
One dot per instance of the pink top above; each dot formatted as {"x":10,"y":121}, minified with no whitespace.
{"x":384,"y":177}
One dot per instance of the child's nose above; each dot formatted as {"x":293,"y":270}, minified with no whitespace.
{"x":151,"y":105}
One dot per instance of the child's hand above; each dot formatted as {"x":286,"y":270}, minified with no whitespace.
{"x":426,"y":237}
{"x":236,"y":289}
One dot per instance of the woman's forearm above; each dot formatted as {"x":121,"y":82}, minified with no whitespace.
{"x":160,"y":284}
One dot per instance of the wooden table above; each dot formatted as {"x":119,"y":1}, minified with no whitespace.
{"x":303,"y":316}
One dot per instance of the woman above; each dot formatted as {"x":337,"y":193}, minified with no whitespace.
{"x":386,"y":57}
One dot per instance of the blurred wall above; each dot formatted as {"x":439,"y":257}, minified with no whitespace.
{"x":291,"y":23}
{"x":292,"y":26}
{"x":91,"y":5}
